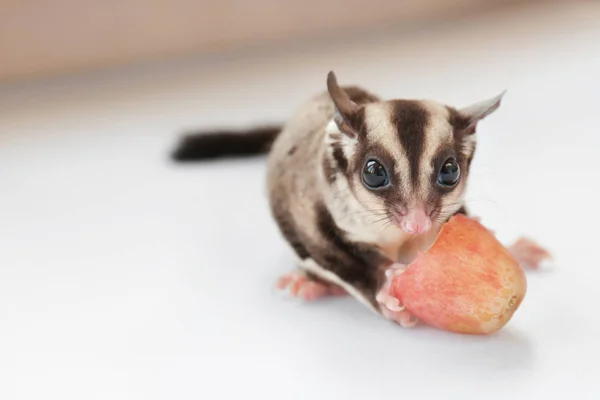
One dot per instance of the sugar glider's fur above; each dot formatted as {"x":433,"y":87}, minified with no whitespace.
{"x":342,"y":231}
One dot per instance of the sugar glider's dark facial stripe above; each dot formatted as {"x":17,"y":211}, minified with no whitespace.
{"x":410,"y":119}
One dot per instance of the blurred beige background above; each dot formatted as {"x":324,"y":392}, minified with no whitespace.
{"x":43,"y":38}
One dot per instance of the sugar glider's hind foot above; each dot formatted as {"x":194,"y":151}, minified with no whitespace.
{"x":303,"y":286}
{"x":531,"y":255}
{"x":390,"y":306}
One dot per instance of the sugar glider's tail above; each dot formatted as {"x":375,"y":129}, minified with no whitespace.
{"x":198,"y":146}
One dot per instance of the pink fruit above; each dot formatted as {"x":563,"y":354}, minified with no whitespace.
{"x":467,"y":282}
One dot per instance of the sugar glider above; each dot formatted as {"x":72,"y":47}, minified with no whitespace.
{"x":358,"y":184}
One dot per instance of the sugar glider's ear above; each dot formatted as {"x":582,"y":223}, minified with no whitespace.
{"x":345,"y":108}
{"x":476,"y":112}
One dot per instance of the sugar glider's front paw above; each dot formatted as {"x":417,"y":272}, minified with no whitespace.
{"x":531,"y":255}
{"x":390,"y":306}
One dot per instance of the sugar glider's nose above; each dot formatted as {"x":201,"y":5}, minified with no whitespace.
{"x":416,"y":222}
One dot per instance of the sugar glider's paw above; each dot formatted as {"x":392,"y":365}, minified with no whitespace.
{"x":531,"y":255}
{"x":302,"y":286}
{"x":390,"y":306}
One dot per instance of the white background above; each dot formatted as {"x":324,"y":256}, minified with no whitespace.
{"x":123,"y":276}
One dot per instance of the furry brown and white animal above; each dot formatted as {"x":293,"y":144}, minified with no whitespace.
{"x":358,"y":184}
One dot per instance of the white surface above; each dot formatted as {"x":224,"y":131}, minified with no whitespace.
{"x":125,"y":277}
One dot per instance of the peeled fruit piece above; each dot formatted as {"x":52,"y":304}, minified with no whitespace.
{"x":467,"y":282}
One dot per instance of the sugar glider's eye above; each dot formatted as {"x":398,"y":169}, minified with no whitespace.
{"x":449,"y":173}
{"x":374,"y":175}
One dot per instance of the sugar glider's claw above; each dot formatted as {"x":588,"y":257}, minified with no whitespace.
{"x":394,"y":304}
{"x":393,"y":272}
{"x":407,"y":320}
{"x":389,"y":305}
{"x":403,"y":318}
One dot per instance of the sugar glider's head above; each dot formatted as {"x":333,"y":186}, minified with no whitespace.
{"x":407,"y":159}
